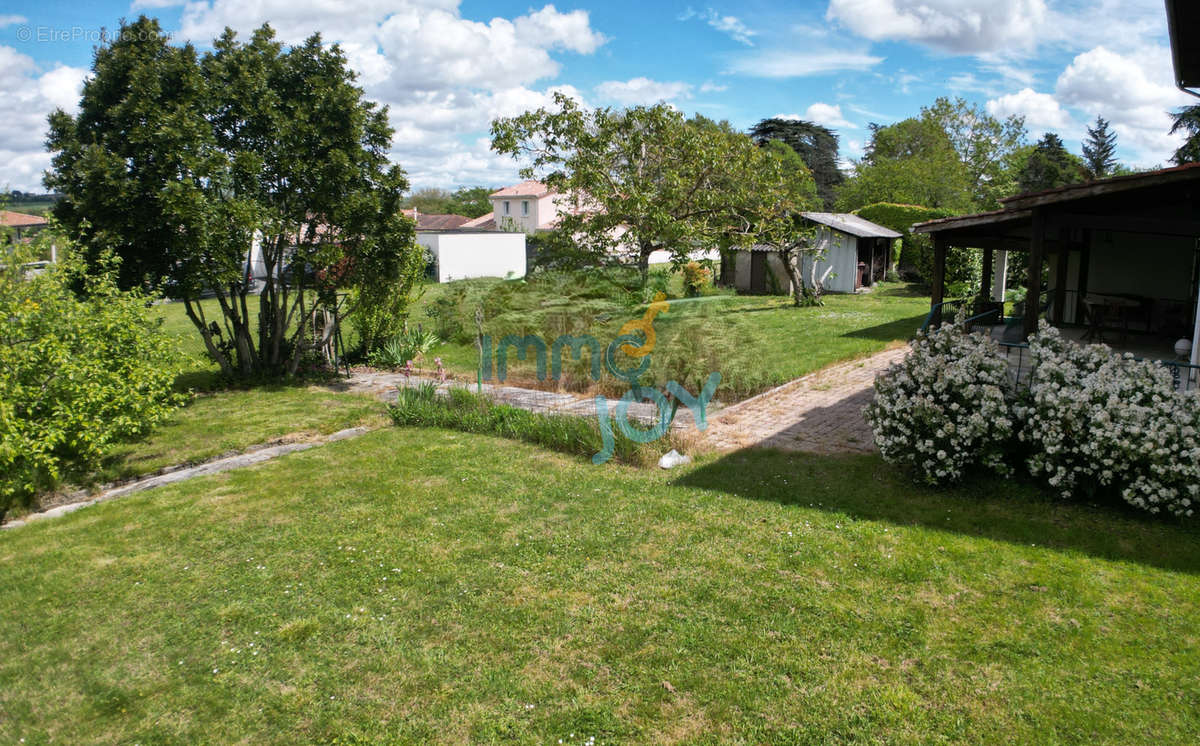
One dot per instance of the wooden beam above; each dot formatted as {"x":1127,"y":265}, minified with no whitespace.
{"x":939,"y":278}
{"x":1130,"y":224}
{"x":1033,"y":280}
{"x":1115,"y":185}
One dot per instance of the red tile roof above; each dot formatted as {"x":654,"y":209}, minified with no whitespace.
{"x":20,"y":219}
{"x":483,"y":222}
{"x":528,"y":188}
{"x":431,"y":222}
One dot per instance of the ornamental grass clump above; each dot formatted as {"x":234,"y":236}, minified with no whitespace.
{"x":1098,"y":421}
{"x":944,"y":410}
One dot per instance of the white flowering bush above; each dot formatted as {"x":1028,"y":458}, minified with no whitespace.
{"x":944,"y":409}
{"x":1095,"y":420}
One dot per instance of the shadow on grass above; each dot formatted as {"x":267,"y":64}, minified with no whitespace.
{"x":899,"y":329}
{"x":865,"y":487}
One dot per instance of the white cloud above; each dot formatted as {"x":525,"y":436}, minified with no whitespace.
{"x":1133,"y":91}
{"x":780,"y":63}
{"x":829,"y":115}
{"x":30,"y":95}
{"x":9,"y":20}
{"x":1041,"y":110}
{"x":732,"y":26}
{"x":643,"y":91}
{"x":444,"y":77}
{"x":962,"y":26}
{"x":710,"y":87}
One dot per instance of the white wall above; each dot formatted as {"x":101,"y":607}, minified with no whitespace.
{"x":841,"y":253}
{"x":484,"y":254}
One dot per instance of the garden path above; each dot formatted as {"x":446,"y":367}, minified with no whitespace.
{"x":821,"y":412}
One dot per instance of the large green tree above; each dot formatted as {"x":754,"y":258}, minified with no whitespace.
{"x":983,"y":143}
{"x":910,"y":162}
{"x":816,"y":145}
{"x":1049,"y":165}
{"x":640,"y":179}
{"x":1186,"y":120}
{"x":180,"y":164}
{"x":1100,"y":149}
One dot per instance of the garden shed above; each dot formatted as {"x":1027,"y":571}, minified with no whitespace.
{"x":857,"y":254}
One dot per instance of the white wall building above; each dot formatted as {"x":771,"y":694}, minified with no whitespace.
{"x":459,"y":253}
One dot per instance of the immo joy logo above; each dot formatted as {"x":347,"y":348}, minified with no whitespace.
{"x":635,"y":339}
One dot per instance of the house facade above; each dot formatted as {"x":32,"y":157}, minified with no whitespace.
{"x":527,"y":207}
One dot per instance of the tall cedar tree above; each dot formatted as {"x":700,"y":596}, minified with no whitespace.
{"x":1099,"y":149}
{"x":816,"y":145}
{"x":1050,"y":166}
{"x":179,"y":164}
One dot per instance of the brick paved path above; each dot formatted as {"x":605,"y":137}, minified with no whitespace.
{"x":821,"y":412}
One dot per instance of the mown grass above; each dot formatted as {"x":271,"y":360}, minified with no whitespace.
{"x":428,"y":586}
{"x":755,"y":342}
{"x":218,"y":423}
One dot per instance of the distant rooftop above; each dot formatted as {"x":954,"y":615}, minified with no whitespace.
{"x":529,"y":188}
{"x":433,"y":222}
{"x":20,"y":219}
{"x":852,"y":224}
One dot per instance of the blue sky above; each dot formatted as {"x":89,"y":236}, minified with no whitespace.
{"x":446,"y":68}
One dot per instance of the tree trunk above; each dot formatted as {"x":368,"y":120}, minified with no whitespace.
{"x":206,"y":333}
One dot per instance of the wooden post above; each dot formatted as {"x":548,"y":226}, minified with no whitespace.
{"x":1060,"y":282}
{"x":1033,"y":280}
{"x":985,"y":282}
{"x":938,"y":285}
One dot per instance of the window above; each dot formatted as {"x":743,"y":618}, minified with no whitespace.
{"x":506,"y":210}
{"x":525,"y":207}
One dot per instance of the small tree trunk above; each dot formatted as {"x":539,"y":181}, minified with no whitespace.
{"x":206,"y":333}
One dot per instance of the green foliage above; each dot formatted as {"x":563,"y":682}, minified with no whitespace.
{"x":77,"y":373}
{"x":409,"y":345}
{"x":1049,"y":165}
{"x":816,"y":145}
{"x":471,"y":202}
{"x":1186,"y":120}
{"x":696,"y":278}
{"x":983,"y":144}
{"x":1099,"y":150}
{"x":912,"y":162}
{"x":461,"y":409}
{"x":963,"y":266}
{"x":178,"y":162}
{"x":652,"y":179}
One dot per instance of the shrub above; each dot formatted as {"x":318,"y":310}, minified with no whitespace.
{"x":1098,"y":421}
{"x":77,"y":373}
{"x":943,"y":410}
{"x":696,"y":278}
{"x":462,"y":409}
{"x":399,"y":350}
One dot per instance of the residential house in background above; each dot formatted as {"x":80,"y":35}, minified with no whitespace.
{"x":22,"y":224}
{"x":460,"y":248}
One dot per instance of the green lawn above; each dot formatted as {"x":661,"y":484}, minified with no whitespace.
{"x":755,"y":342}
{"x":416,"y":586}
{"x":217,"y":423}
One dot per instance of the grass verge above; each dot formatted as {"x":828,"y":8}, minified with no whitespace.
{"x":433,"y":586}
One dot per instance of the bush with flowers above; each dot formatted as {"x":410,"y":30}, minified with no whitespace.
{"x":943,"y":409}
{"x":1091,"y":421}
{"x":1096,"y":420}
